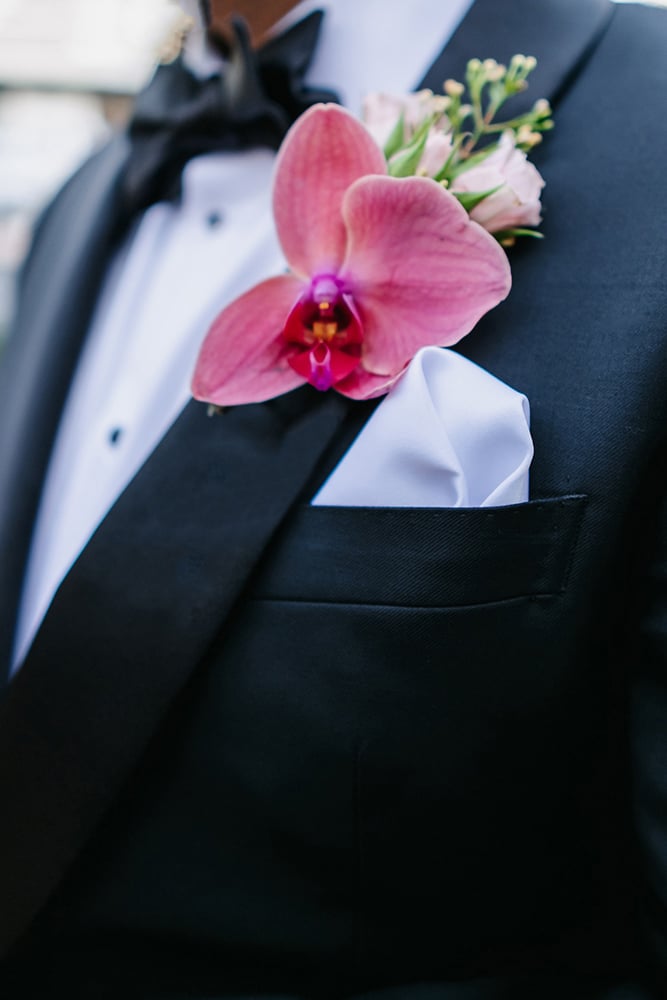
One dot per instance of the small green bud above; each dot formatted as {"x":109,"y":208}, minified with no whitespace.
{"x":526,"y":137}
{"x":441,"y":104}
{"x":453,"y":88}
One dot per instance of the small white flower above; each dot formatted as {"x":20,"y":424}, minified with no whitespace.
{"x":381,"y":112}
{"x":516,"y":203}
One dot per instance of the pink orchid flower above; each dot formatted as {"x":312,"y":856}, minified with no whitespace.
{"x":380,"y":267}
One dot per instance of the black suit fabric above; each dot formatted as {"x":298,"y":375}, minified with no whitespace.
{"x":423,"y":753}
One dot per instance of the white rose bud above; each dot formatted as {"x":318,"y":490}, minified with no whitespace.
{"x":516,"y":203}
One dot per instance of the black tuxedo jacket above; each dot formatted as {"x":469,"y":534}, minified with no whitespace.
{"x":261,"y":748}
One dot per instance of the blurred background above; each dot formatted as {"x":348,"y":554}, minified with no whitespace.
{"x":68,"y":72}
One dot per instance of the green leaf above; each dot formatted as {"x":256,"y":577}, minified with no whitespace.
{"x":505,"y":233}
{"x":405,"y":162}
{"x":470,"y":199}
{"x":395,"y":140}
{"x":448,"y":170}
{"x":472,"y":161}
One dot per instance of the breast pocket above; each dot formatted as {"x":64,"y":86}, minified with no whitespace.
{"x":423,"y":556}
{"x":443,"y":645}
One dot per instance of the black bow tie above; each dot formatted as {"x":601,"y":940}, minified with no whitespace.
{"x":253,"y":103}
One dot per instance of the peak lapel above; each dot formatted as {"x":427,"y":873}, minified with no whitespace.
{"x":136,"y":614}
{"x":558,"y":33}
{"x":59,"y":290}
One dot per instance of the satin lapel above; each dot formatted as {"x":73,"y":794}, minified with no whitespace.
{"x":562,"y":35}
{"x":559,"y":33}
{"x":136,"y":614}
{"x":60,"y":285}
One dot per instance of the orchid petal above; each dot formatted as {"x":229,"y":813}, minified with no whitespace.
{"x":322,"y":155}
{"x":419,"y":270}
{"x":243,"y":358}
{"x":362,"y":384}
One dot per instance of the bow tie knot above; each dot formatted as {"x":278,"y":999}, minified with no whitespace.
{"x":252,"y":103}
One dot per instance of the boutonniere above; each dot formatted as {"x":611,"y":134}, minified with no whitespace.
{"x":393,"y":231}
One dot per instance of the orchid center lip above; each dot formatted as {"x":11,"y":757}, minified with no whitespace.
{"x":325,"y":332}
{"x":324,"y":314}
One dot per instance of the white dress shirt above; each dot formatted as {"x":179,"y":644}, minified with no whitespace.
{"x":177,"y":269}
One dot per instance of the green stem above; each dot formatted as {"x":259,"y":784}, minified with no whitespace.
{"x":511,"y":123}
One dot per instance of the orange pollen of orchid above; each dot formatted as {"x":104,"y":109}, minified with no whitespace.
{"x":325,"y":330}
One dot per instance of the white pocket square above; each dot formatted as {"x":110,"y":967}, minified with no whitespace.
{"x":449,"y":434}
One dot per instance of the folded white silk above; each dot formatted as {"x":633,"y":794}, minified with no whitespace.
{"x":449,"y":434}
